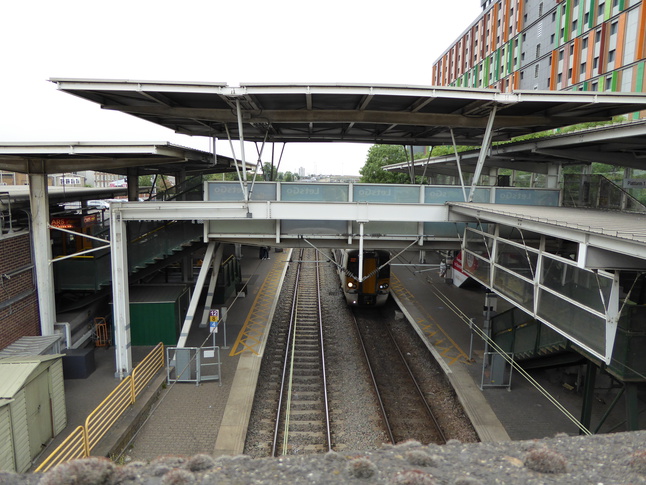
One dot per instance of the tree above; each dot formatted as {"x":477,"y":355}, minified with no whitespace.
{"x":380,"y":155}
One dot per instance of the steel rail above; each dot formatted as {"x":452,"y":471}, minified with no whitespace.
{"x":325,"y":395}
{"x":419,"y":389}
{"x":283,"y":379}
{"x":374,"y":382}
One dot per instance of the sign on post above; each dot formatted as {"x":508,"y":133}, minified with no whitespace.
{"x":214,"y":319}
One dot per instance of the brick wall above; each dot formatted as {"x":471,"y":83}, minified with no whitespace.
{"x":18,"y":297}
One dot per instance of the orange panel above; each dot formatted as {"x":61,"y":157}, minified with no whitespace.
{"x":576,"y":60}
{"x":554,"y":73}
{"x":641,"y":33}
{"x":621,"y":38}
{"x":590,"y":60}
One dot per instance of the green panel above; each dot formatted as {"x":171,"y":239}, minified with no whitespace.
{"x":602,"y":84}
{"x":497,"y":76}
{"x":510,"y":57}
{"x":622,"y":5}
{"x":519,"y":50}
{"x":568,"y":25}
{"x":592,"y":15}
{"x":639,"y":87}
{"x":152,"y":323}
{"x":615,"y":79}
{"x":608,"y":10}
{"x":485,"y":74}
{"x":581,"y":15}
{"x":476,"y":70}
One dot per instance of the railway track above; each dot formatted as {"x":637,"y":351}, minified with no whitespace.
{"x":405,"y":409}
{"x":302,"y":423}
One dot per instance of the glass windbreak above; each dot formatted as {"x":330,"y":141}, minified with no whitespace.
{"x":519,"y":290}
{"x":527,"y":197}
{"x":314,"y":192}
{"x":580,"y":285}
{"x":574,"y":321}
{"x":517,"y":259}
{"x":232,"y":191}
{"x":479,"y":243}
{"x":386,"y":193}
{"x":440,"y":195}
{"x":476,"y":267}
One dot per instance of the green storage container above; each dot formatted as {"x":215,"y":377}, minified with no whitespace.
{"x":157,"y":313}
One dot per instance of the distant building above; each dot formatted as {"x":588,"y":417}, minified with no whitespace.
{"x":585,"y":45}
{"x":301,"y":172}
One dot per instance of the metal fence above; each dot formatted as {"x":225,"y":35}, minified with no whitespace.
{"x":83,"y":439}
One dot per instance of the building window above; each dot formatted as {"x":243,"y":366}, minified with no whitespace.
{"x":595,"y":63}
{"x":576,"y":3}
{"x":524,"y":37}
{"x":522,"y":74}
{"x":615,"y":3}
{"x":525,"y":18}
{"x":559,"y":78}
{"x":549,"y":80}
{"x":522,"y":56}
{"x":561,"y":55}
{"x":562,"y":33}
{"x":553,"y":16}
{"x":569,"y":73}
{"x":583,"y":66}
{"x":540,"y":9}
{"x":536,"y":67}
{"x":538,"y":50}
{"x":594,"y":86}
{"x":611,"y":55}
{"x":613,"y":28}
{"x":584,"y":43}
{"x":602,"y":7}
{"x":609,"y":83}
{"x":586,"y":18}
{"x":575,"y":23}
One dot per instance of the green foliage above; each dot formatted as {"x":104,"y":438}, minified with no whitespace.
{"x":380,"y":155}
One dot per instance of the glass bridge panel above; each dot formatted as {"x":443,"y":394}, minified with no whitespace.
{"x":394,"y":194}
{"x":310,"y":192}
{"x":232,"y":191}
{"x":548,"y":197}
{"x":434,"y":194}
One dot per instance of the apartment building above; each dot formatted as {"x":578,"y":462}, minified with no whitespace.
{"x":587,"y":45}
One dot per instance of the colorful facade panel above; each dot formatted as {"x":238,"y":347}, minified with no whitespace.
{"x":550,"y":44}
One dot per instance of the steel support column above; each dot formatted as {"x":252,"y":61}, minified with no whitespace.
{"x":42,"y":251}
{"x":120,"y":294}
{"x":199,"y":286}
{"x":484,"y":150}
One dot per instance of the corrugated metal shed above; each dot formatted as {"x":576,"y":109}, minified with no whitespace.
{"x":32,"y":407}
{"x":32,"y":345}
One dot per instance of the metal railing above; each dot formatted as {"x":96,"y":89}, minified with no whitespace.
{"x":83,"y":439}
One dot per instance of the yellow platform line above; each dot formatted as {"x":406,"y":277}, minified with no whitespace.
{"x":250,"y":336}
{"x":436,"y":335}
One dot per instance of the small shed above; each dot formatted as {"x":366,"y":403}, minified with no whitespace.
{"x":32,"y":408}
{"x":157,"y":313}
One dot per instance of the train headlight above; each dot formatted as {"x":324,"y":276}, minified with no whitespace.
{"x":351,"y":284}
{"x":383,"y":286}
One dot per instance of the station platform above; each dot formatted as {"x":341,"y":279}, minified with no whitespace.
{"x":186,"y":419}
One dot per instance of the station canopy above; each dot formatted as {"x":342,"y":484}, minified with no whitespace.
{"x":622,"y":144}
{"x":111,"y":157}
{"x":385,"y":114}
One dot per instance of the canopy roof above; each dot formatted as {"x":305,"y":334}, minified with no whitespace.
{"x":389,"y":114}
{"x":621,"y":144}
{"x":111,"y":157}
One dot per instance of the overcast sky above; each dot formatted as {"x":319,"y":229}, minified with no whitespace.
{"x":349,"y":41}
